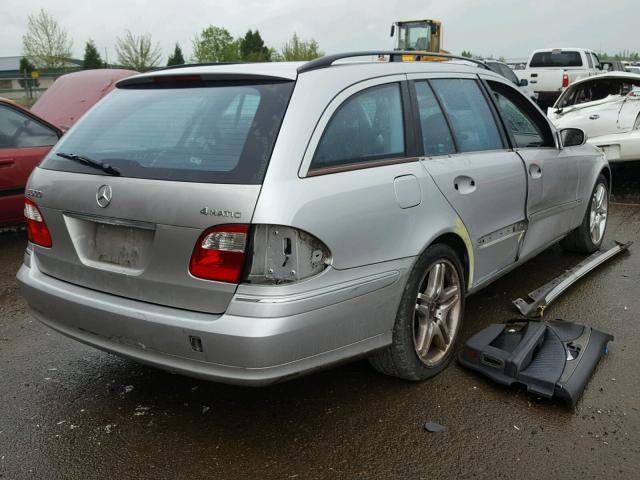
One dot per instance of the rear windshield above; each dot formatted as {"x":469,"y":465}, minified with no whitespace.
{"x":556,"y":58}
{"x":218,"y":132}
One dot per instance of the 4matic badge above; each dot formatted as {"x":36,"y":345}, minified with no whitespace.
{"x":219,"y":213}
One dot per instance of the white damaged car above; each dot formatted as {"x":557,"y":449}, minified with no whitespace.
{"x":607,"y":108}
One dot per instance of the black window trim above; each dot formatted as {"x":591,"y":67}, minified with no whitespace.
{"x":418,"y":124}
{"x":409,"y":155}
{"x":506,"y":139}
{"x":528,"y":109}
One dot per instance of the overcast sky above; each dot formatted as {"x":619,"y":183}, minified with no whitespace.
{"x":499,"y":27}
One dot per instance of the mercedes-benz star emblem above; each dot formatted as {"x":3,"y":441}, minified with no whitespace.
{"x":103,"y":197}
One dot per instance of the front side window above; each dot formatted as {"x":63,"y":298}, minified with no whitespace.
{"x":367,"y":126}
{"x":527,"y":127}
{"x":436,"y":136}
{"x":469,"y":113}
{"x":20,"y":131}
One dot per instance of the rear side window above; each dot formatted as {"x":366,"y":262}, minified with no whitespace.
{"x":471,"y":119}
{"x":198,"y":131}
{"x":528,"y":128}
{"x":556,"y":58}
{"x":436,"y":136}
{"x":20,"y":131}
{"x":367,"y":126}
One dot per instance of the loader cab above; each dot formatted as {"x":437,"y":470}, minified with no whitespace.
{"x":419,"y":35}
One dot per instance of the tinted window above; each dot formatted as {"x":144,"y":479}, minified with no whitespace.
{"x":201,"y":132}
{"x":528,"y":127}
{"x":367,"y":126}
{"x":473,"y":124}
{"x":18,"y":130}
{"x":504,"y":70}
{"x":556,"y":58}
{"x":436,"y":136}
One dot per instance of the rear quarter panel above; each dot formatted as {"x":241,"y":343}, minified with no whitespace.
{"x":354,"y":213}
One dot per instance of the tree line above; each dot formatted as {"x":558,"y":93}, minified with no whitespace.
{"x":625,"y":55}
{"x":47,"y":45}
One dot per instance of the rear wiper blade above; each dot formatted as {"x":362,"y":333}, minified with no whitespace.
{"x":105,"y":167}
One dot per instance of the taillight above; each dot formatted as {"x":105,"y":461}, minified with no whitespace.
{"x":36,"y":228}
{"x":219,"y":253}
{"x":565,"y":80}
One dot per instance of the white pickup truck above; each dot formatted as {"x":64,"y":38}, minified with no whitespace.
{"x":550,"y":71}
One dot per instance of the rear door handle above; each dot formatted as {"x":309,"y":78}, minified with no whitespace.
{"x":6,"y":162}
{"x":535,"y":170}
{"x":464,"y":184}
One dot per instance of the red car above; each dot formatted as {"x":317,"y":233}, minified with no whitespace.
{"x":27,"y":135}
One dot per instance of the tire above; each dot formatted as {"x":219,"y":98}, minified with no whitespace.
{"x":417,"y":321}
{"x":581,"y":239}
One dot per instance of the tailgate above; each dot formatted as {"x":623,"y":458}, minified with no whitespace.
{"x":141,"y":244}
{"x":544,"y":80}
{"x":184,"y":154}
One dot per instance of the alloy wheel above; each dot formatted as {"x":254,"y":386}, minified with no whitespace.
{"x":598,"y":214}
{"x":437,"y":312}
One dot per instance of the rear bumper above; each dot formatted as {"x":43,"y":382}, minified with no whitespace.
{"x":619,"y":147}
{"x":260,"y":340}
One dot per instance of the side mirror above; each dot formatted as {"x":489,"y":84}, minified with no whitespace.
{"x":393,"y":30}
{"x":524,"y":82}
{"x":573,"y":137}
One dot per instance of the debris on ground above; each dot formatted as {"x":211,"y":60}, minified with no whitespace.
{"x":434,"y":427}
{"x":543,"y":296}
{"x":553,"y":358}
{"x":140,"y":410}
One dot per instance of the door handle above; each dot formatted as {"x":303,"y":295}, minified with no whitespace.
{"x":464,"y":184}
{"x":595,"y":116}
{"x":6,"y":162}
{"x":535,"y":170}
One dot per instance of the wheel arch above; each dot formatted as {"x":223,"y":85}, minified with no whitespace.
{"x":462,"y":248}
{"x":606,"y":173}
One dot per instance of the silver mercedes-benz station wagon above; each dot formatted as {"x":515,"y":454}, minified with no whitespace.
{"x":249,"y":223}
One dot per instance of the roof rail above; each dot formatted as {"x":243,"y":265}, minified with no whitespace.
{"x":327,"y":61}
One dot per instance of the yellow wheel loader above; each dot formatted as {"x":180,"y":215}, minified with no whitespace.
{"x":419,"y":35}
